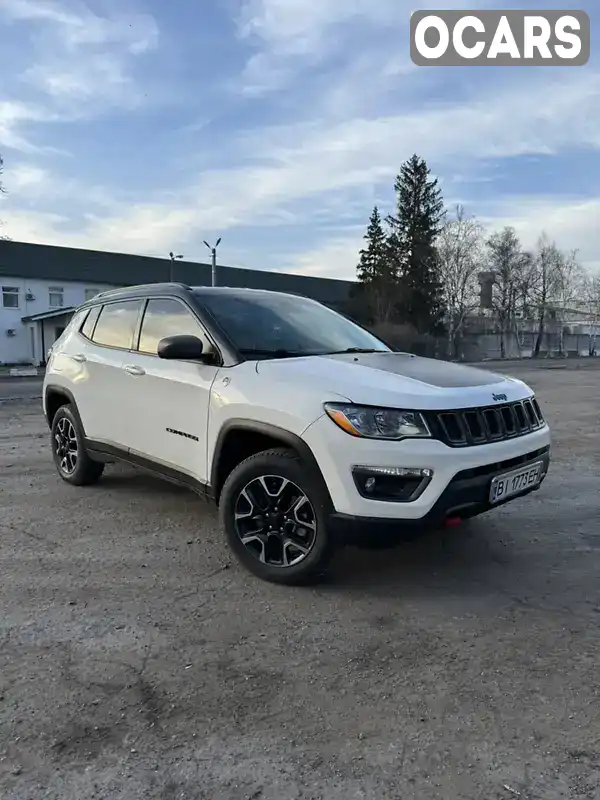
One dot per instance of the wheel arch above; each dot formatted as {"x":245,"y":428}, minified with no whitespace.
{"x":240,"y":438}
{"x":56,"y":396}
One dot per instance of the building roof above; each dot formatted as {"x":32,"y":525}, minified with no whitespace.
{"x":47,"y":262}
{"x":55,"y":312}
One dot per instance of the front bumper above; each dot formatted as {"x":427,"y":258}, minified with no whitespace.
{"x":466,"y":496}
{"x":461,"y":476}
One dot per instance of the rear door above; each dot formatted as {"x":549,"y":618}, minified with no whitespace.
{"x":167,"y":419}
{"x":101,"y":390}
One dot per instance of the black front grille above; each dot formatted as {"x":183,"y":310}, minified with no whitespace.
{"x":473,"y":426}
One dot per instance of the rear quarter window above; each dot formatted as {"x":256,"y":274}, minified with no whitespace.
{"x":87,"y":329}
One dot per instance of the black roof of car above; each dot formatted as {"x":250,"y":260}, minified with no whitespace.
{"x":178,"y":290}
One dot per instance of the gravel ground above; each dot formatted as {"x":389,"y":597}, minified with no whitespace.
{"x":138,"y":661}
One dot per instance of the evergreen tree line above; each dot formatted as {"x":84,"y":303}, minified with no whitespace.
{"x":420,"y":267}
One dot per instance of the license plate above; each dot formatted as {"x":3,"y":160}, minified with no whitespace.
{"x":511,"y":483}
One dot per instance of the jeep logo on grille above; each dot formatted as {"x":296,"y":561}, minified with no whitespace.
{"x":498,"y":397}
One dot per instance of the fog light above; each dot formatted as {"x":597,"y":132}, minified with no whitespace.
{"x":395,"y":484}
{"x":397,"y":472}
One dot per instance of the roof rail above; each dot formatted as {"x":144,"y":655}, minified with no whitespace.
{"x":143,"y":287}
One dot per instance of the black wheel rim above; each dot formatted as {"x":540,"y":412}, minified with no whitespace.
{"x":275,"y":521}
{"x":65,"y":446}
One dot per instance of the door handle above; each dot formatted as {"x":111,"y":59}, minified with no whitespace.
{"x":133,"y":370}
{"x":79,"y":357}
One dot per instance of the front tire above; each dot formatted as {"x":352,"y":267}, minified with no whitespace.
{"x":68,"y":450}
{"x":274,"y":512}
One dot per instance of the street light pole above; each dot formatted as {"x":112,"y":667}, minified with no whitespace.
{"x":213,"y":252}
{"x":171,"y":268}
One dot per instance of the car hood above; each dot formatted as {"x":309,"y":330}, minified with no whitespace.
{"x":396,"y":379}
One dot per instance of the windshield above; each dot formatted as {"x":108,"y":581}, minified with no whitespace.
{"x":264,"y":324}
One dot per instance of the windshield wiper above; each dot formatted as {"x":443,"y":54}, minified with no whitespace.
{"x":355,"y":350}
{"x":246,"y":351}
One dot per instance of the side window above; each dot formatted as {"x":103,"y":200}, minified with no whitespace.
{"x":10,"y":296}
{"x":87,"y":328}
{"x":56,"y":296}
{"x":165,"y":317}
{"x":116,"y":324}
{"x":75,"y":321}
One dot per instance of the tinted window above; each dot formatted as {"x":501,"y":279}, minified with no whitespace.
{"x":88,"y":326}
{"x":116,"y":324}
{"x":165,"y":318}
{"x":265,"y":321}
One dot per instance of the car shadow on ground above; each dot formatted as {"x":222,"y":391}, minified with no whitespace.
{"x":123,"y":479}
{"x":437,"y":557}
{"x":497,"y":554}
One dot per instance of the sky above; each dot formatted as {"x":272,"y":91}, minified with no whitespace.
{"x":148,"y":126}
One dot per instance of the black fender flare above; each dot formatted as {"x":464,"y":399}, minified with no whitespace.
{"x":286,"y":437}
{"x":60,"y":390}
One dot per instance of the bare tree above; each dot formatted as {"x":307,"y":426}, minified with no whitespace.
{"x":544,"y":285}
{"x":2,"y":191}
{"x":460,"y":247}
{"x":511,"y":266}
{"x":591,"y":304}
{"x":569,"y":290}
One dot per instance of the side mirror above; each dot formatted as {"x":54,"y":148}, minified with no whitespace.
{"x":182,"y":348}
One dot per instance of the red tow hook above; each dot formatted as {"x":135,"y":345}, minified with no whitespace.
{"x":451,"y":522}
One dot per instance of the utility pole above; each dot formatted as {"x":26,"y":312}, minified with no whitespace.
{"x":171,"y":269}
{"x":213,"y":252}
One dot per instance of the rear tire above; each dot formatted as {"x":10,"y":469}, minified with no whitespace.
{"x":274,"y":511}
{"x":71,"y":459}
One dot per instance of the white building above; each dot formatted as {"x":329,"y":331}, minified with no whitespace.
{"x":34,"y":313}
{"x":41,"y":286}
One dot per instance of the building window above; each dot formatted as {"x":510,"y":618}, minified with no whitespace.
{"x":10,"y":296}
{"x":91,"y":293}
{"x":55,"y":296}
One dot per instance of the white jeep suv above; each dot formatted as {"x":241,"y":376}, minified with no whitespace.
{"x":304,"y":428}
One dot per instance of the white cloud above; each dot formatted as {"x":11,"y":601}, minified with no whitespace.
{"x":77,"y":26}
{"x":291,"y":34}
{"x":13,"y":115}
{"x":336,"y":258}
{"x":292,"y":164}
{"x":78,"y":64}
{"x":571,"y":221}
{"x":27,"y":177}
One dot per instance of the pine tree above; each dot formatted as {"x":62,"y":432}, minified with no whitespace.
{"x":376,"y":276}
{"x":373,"y":259}
{"x":414,"y":228}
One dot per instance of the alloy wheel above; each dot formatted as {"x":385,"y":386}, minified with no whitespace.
{"x":275,"y":521}
{"x":66,"y":446}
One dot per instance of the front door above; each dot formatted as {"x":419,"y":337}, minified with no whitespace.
{"x":167,"y":418}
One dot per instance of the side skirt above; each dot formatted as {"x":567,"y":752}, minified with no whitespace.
{"x":107,"y":453}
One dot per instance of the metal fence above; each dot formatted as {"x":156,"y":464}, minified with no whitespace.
{"x":483,"y":346}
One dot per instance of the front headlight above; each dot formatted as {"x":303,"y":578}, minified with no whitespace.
{"x":377,"y":423}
